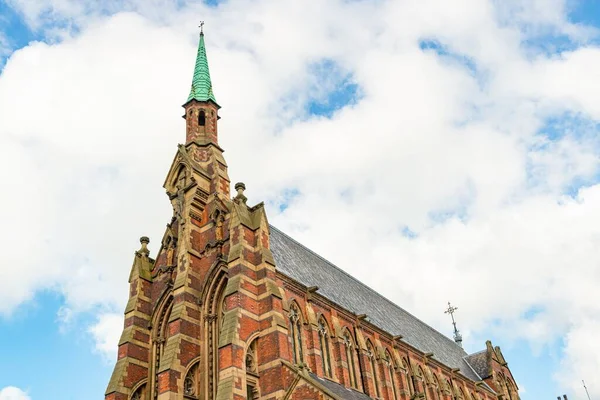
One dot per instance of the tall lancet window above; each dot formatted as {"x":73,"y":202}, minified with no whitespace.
{"x":140,"y":393}
{"x":423,"y":380}
{"x":372,"y":360}
{"x":437,"y":389}
{"x":389,"y":361}
{"x":349,"y":345}
{"x":191,"y":383}
{"x":410,"y":377}
{"x":296,"y":329}
{"x":201,"y":118}
{"x":252,"y":371}
{"x":324,"y":341}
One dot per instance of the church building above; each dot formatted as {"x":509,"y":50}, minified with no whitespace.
{"x":233,"y":308}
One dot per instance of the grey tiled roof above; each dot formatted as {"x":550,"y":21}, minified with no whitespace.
{"x":303,"y":265}
{"x":340,"y":390}
{"x":479,"y":363}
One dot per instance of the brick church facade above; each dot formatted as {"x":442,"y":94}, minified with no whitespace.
{"x":233,"y":308}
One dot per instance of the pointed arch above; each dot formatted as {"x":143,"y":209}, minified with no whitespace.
{"x":296,"y":321}
{"x":252,"y":374}
{"x":139,"y":393}
{"x":213,"y":308}
{"x":409,"y":376}
{"x":450,"y":389}
{"x":349,"y":346}
{"x":180,"y":178}
{"x":437,"y":388}
{"x":391,"y":366}
{"x":191,"y":382}
{"x":371,"y":355}
{"x":160,"y":334}
{"x":324,"y":333}
{"x":422,"y":377}
{"x":512,"y":392}
{"x":201,"y":117}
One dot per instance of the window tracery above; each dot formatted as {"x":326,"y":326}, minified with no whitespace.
{"x":349,"y":344}
{"x":437,"y":389}
{"x":251,"y":360}
{"x":409,"y":377}
{"x":421,"y":376}
{"x":324,"y":342}
{"x":191,"y":382}
{"x":295,"y":322}
{"x":252,"y":371}
{"x":140,"y":393}
{"x":391,"y":368}
{"x":371,"y":357}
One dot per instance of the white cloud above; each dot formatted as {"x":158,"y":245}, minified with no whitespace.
{"x":13,"y":393}
{"x":453,"y":147}
{"x":106,"y":332}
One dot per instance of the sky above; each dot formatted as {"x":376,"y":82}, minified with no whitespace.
{"x":436,"y":150}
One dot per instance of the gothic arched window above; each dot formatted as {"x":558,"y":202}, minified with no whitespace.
{"x":252,"y":371}
{"x":437,"y":389}
{"x":392,"y":370}
{"x":251,"y":360}
{"x":349,"y":344}
{"x":201,"y":118}
{"x":372,"y":360}
{"x":324,"y":341}
{"x":191,"y":383}
{"x":512,"y":392}
{"x":296,"y":328}
{"x":409,"y":377}
{"x":450,"y":390}
{"x":422,"y":378}
{"x":140,"y":393}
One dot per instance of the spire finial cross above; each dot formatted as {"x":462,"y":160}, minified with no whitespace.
{"x":457,"y":336}
{"x":451,"y":311}
{"x":201,"y":26}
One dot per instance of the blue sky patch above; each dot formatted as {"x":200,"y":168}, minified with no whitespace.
{"x":339,"y":89}
{"x":433,"y":45}
{"x":54,"y":352}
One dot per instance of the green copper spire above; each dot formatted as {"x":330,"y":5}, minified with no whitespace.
{"x":201,"y":84}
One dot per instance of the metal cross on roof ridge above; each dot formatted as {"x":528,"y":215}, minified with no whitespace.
{"x":457,"y":336}
{"x":201,"y":26}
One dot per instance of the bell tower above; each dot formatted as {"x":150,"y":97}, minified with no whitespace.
{"x":201,"y":108}
{"x":209,"y":301}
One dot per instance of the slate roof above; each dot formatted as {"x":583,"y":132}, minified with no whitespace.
{"x":340,"y":390}
{"x":303,"y":265}
{"x":479,"y":363}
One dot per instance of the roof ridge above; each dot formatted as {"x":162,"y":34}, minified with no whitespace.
{"x":372,"y":290}
{"x":477,"y":352}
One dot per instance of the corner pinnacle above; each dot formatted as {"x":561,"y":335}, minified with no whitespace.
{"x":144,"y":240}
{"x":240,"y":187}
